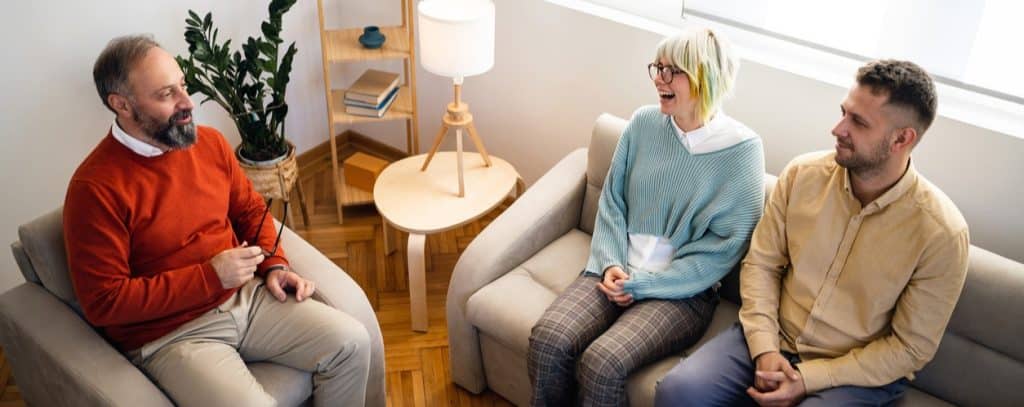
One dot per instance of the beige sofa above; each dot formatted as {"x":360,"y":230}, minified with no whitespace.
{"x":514,"y":269}
{"x":59,"y":360}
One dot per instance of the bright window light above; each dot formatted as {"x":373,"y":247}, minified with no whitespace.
{"x":971,"y":44}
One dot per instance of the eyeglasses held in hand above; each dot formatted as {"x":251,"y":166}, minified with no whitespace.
{"x":665,"y":71}
{"x":277,"y":241}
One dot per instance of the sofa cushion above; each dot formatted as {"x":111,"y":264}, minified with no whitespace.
{"x":506,"y":370}
{"x":981,"y":357}
{"x":917,"y":398}
{"x":24,"y":264}
{"x":508,"y":308}
{"x":43,"y":241}
{"x":991,"y":303}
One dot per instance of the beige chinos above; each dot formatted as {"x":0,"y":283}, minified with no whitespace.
{"x":202,"y":363}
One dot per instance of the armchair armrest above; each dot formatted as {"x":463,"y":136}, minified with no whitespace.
{"x":548,"y":210}
{"x":336,"y":288}
{"x":60,"y":360}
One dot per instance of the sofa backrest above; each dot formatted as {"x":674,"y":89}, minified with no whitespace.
{"x":981,"y":358}
{"x":607,"y":131}
{"x":41,"y":256}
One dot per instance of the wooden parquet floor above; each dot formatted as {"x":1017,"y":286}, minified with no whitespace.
{"x":417,"y":364}
{"x":10,"y":396}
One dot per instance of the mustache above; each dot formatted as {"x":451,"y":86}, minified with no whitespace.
{"x":181,"y":115}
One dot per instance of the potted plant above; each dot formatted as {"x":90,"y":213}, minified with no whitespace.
{"x":250,"y":85}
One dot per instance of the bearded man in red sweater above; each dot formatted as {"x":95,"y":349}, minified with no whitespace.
{"x":159,"y":223}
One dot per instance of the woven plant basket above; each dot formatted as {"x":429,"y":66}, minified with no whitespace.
{"x":274,"y":180}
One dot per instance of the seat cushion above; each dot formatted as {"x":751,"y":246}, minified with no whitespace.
{"x":509,"y":307}
{"x":915,"y":398}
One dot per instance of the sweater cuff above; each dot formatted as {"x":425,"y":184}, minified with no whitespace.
{"x":638,"y":284}
{"x":211,"y":278}
{"x":816,"y":375}
{"x":760,"y":342}
{"x":597,"y":267}
{"x":270,"y":262}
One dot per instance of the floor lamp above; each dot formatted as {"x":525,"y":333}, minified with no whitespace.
{"x":457,"y":40}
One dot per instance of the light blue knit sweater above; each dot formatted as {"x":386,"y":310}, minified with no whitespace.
{"x":706,"y":204}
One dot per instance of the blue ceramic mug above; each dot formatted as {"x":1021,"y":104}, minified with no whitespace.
{"x":372,"y":38}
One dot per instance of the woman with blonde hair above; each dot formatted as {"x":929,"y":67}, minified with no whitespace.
{"x":680,"y":201}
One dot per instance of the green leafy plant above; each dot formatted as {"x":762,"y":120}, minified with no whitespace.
{"x":250,"y":84}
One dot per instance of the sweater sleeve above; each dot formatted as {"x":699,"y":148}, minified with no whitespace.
{"x":97,"y":242}
{"x":609,"y":244}
{"x":246,"y":211}
{"x":701,"y":262}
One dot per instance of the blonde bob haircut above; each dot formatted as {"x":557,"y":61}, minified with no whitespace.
{"x":709,"y":64}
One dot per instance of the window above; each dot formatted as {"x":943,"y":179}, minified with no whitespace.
{"x":974,"y":45}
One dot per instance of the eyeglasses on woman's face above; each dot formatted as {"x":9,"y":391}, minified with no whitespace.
{"x":666,"y":72}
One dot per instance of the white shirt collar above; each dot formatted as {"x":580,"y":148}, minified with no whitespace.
{"x":134,"y":144}
{"x":718,"y":133}
{"x":695,"y":137}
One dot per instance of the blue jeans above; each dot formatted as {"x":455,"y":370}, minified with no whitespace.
{"x":720,"y":372}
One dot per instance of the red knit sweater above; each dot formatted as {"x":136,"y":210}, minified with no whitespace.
{"x":140,"y":233}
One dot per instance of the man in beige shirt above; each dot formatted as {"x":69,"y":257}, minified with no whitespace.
{"x":852,"y":273}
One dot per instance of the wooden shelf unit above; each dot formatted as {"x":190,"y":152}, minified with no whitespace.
{"x":341,"y":46}
{"x":401,"y":108}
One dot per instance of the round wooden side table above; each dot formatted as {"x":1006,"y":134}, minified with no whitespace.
{"x":425,"y":202}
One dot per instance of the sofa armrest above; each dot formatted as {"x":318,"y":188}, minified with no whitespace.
{"x":548,"y":210}
{"x":59,"y":360}
{"x":336,"y":288}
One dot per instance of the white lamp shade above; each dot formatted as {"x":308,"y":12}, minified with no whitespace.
{"x":456,"y":36}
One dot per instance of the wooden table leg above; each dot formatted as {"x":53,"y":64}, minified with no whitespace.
{"x":417,"y":282}
{"x":388,"y":238}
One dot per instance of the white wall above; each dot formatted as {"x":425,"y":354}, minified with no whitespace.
{"x":555,"y":71}
{"x":51,"y":117}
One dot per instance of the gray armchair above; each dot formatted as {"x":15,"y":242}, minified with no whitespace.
{"x":60,"y":360}
{"x":516,"y":267}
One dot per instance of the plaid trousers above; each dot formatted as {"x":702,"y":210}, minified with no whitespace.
{"x":584,"y":346}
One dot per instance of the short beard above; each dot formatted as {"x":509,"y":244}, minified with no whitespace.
{"x":166,"y":132}
{"x":869,"y":163}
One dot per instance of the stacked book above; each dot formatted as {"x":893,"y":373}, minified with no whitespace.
{"x":372,"y":94}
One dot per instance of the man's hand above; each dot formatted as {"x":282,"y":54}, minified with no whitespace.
{"x":772,"y":362}
{"x":236,"y":266}
{"x":790,"y":390}
{"x":281,"y":279}
{"x":611,"y":286}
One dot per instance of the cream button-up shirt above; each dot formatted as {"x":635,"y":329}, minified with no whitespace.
{"x":861,"y":294}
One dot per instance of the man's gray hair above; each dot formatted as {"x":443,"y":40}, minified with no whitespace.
{"x":110,"y":72}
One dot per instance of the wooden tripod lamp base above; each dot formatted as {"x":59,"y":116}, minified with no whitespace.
{"x":459,"y":118}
